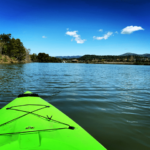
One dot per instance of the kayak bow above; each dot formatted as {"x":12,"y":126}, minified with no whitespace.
{"x":30,"y":123}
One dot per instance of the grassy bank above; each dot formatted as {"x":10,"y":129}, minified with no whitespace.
{"x":4,"y":59}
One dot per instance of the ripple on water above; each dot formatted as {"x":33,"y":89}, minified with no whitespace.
{"x":110,"y":101}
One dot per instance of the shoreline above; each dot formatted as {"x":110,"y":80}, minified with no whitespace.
{"x":4,"y":59}
{"x":119,"y":63}
{"x":112,"y":63}
{"x":11,"y":61}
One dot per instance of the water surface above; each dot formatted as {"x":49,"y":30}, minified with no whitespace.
{"x":111,"y":102}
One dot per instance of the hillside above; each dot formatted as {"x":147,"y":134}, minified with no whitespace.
{"x":129,"y":54}
{"x":133,"y":54}
{"x":68,"y":57}
{"x":146,"y":55}
{"x":125,"y":54}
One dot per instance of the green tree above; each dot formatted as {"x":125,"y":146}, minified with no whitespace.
{"x":34,"y":57}
{"x":16,"y":49}
{"x":4,"y":39}
{"x":27,"y":57}
{"x":42,"y":57}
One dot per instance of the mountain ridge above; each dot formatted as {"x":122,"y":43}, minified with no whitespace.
{"x":68,"y":57}
{"x":133,"y":54}
{"x":125,"y":54}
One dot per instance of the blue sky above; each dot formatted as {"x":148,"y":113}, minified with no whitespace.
{"x":78,"y":27}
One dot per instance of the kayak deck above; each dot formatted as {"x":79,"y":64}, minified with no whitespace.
{"x":29,"y":122}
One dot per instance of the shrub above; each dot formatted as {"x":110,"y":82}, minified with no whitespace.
{"x":5,"y":59}
{"x":13,"y":58}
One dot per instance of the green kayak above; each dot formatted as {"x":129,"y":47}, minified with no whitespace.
{"x":30,"y":123}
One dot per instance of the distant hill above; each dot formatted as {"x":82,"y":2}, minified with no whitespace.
{"x":129,"y":54}
{"x":146,"y":55}
{"x":126,"y":54}
{"x":133,"y":54}
{"x":68,"y":57}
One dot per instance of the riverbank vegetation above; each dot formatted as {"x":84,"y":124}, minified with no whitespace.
{"x":95,"y":59}
{"x":42,"y":57}
{"x":13,"y":51}
{"x":4,"y":59}
{"x":109,"y":58}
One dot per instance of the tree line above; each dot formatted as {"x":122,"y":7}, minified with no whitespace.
{"x":14,"y":48}
{"x":42,"y":57}
{"x":111,"y":58}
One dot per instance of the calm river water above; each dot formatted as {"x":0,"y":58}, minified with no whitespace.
{"x":111,"y":102}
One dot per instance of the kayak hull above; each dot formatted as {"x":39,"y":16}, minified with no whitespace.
{"x":29,"y":122}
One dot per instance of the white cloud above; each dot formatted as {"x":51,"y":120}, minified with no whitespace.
{"x":116,"y":32}
{"x":103,"y":37}
{"x":76,"y":36}
{"x":101,"y":30}
{"x":71,"y":33}
{"x":44,"y":37}
{"x":130,"y":29}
